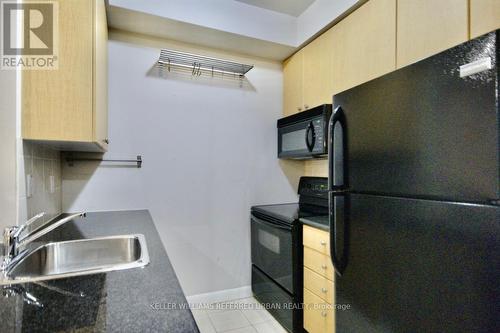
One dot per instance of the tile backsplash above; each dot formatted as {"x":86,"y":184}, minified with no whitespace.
{"x":39,"y":181}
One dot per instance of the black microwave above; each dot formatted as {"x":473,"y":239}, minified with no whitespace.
{"x":304,"y":135}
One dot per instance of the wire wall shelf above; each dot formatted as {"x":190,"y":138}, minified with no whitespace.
{"x":198,"y":64}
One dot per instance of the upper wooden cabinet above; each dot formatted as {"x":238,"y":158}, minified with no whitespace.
{"x":484,"y":16}
{"x":308,"y":79}
{"x":318,"y":71}
{"x":68,"y":106}
{"x":364,"y":44}
{"x":426,"y":27}
{"x":292,"y":84}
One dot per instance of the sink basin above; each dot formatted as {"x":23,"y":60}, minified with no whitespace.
{"x":79,"y":257}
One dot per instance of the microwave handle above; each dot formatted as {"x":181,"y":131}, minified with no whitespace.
{"x":310,"y":129}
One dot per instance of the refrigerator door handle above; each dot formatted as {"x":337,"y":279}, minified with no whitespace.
{"x":339,"y":218}
{"x":337,"y":150}
{"x":337,"y":184}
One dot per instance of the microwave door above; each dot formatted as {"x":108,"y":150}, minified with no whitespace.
{"x":297,"y":140}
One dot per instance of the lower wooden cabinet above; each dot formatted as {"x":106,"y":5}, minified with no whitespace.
{"x":318,"y":314}
{"x":316,"y":239}
{"x":318,"y":263}
{"x":319,"y":287}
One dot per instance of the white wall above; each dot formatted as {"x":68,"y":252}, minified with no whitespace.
{"x":230,"y":16}
{"x":318,"y":15}
{"x":209,"y":154}
{"x":8,"y":210}
{"x":237,"y":18}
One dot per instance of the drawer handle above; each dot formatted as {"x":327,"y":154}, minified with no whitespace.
{"x":323,"y":242}
{"x":324,"y":290}
{"x":323,"y":313}
{"x":323,"y":266}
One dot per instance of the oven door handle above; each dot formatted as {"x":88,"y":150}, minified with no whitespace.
{"x":273,"y":224}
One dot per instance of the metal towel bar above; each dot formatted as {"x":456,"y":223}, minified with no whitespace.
{"x":138,"y":160}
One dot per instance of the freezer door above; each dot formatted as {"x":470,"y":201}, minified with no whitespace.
{"x":419,"y":266}
{"x":426,"y":131}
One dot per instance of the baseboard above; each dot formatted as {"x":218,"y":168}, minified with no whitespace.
{"x":220,"y":296}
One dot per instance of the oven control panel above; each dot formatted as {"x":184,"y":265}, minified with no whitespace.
{"x":313,"y":187}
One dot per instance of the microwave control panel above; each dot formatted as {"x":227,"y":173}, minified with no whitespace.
{"x":319,"y":135}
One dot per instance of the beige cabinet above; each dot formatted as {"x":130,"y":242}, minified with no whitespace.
{"x":318,"y":315}
{"x":67,"y":107}
{"x":318,"y":71}
{"x":364,"y":44}
{"x":308,"y":79}
{"x":484,"y":16}
{"x":427,"y":27}
{"x":292,"y":84}
{"x":319,"y":291}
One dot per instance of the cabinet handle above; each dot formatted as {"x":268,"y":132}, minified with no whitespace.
{"x":323,"y":313}
{"x":299,"y":108}
{"x":106,"y":141}
{"x":323,"y":266}
{"x":306,"y":106}
{"x":324,"y":290}
{"x":323,"y":242}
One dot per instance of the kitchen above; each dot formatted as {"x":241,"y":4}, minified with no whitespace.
{"x":165,"y":123}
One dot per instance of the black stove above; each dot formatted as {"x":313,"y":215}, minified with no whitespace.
{"x":313,"y":201}
{"x":291,"y":212}
{"x":277,"y":258}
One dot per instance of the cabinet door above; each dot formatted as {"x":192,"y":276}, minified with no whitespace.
{"x":484,"y":16}
{"x":426,"y":27}
{"x":57,"y":104}
{"x":364,"y":44}
{"x":319,"y":317}
{"x":100,"y":91}
{"x":318,"y":71}
{"x":292,"y":84}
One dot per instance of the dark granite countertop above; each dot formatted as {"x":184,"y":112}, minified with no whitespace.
{"x":147,"y":299}
{"x":320,"y":222}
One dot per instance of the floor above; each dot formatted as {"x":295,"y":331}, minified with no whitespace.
{"x":239,"y":316}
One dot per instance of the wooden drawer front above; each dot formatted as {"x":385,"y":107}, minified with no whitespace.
{"x":316,"y":239}
{"x":318,"y":262}
{"x":319,"y":285}
{"x":318,"y":315}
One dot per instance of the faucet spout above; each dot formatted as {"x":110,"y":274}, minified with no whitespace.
{"x":20,"y":236}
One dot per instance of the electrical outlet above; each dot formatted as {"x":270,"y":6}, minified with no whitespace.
{"x":29,"y":186}
{"x":52,"y":184}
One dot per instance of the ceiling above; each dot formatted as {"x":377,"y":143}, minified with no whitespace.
{"x":290,"y":7}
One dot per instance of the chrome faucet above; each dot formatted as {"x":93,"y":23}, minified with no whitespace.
{"x":15,"y":238}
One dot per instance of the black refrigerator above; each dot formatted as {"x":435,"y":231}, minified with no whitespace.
{"x":414,"y":196}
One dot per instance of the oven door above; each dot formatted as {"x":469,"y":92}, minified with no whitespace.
{"x":277,"y":301}
{"x":272,"y":250}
